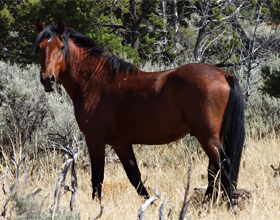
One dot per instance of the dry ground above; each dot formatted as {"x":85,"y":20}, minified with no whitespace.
{"x":165,"y":167}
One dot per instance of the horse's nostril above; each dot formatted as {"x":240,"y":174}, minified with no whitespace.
{"x":52,"y":79}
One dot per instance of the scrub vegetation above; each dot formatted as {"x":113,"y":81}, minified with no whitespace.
{"x":39,"y":133}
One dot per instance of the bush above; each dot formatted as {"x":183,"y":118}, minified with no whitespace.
{"x":24,"y":107}
{"x":271,"y":81}
{"x":262,"y":116}
{"x":63,"y":128}
{"x":26,"y":110}
{"x":30,"y":207}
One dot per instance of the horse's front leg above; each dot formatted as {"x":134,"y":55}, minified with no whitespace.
{"x":127,"y":157}
{"x":96,"y":149}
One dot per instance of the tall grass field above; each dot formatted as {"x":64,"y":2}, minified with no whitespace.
{"x":37,"y":135}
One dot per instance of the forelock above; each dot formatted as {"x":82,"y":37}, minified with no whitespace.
{"x":49,"y":32}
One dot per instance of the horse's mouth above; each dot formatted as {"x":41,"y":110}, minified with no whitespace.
{"x":49,"y":89}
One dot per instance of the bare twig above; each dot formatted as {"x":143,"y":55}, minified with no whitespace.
{"x":100,"y":213}
{"x":186,"y":202}
{"x":40,"y":170}
{"x":161,"y":209}
{"x":60,"y":182}
{"x":34,"y":193}
{"x":74,"y":151}
{"x":169,"y":213}
{"x":18,"y":167}
{"x":74,"y":182}
{"x":157,"y":194}
{"x":3,"y":214}
{"x":42,"y":203}
{"x":5,"y":175}
{"x":27,"y":171}
{"x":17,"y":174}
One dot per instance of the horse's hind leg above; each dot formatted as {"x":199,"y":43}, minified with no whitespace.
{"x":226,"y":174}
{"x":218,"y":167}
{"x":127,"y":157}
{"x":210,"y":147}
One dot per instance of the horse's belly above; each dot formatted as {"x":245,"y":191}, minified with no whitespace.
{"x":150,"y":133}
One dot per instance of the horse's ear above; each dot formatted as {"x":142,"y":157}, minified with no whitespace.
{"x":61,"y":26}
{"x":39,"y":25}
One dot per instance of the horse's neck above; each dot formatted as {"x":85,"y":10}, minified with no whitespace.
{"x":76,"y":77}
{"x":69,"y":77}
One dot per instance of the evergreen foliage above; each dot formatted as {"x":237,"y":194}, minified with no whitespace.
{"x":156,"y":30}
{"x":237,"y":35}
{"x":271,"y":81}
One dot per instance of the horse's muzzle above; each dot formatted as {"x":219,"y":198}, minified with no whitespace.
{"x":48,"y":83}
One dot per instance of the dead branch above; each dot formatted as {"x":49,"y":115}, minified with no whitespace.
{"x":40,"y":170}
{"x":42,"y":203}
{"x":34,"y":193}
{"x":5,"y":209}
{"x":100,"y":213}
{"x":18,"y":167}
{"x":161,"y":209}
{"x":186,"y":202}
{"x":17,"y":174}
{"x":27,"y":171}
{"x":141,"y":212}
{"x":60,"y":182}
{"x":157,"y":194}
{"x":67,"y":149}
{"x":5,"y":175}
{"x":74,"y":182}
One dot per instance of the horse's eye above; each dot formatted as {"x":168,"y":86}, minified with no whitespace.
{"x":62,"y":48}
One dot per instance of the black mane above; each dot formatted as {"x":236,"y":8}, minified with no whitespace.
{"x":114,"y":63}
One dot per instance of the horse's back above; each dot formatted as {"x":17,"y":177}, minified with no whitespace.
{"x":201,"y":73}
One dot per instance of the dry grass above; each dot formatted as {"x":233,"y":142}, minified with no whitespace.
{"x":165,"y":167}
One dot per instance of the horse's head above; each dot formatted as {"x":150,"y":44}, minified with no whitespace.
{"x":51,"y":54}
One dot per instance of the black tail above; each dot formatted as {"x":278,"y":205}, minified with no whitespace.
{"x":234,"y":127}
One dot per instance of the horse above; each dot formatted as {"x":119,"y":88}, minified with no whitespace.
{"x":116,"y":103}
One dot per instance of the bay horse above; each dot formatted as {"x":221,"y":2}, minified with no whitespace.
{"x":117,"y":104}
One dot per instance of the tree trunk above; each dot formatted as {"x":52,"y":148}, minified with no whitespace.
{"x":251,"y":53}
{"x":176,"y":26}
{"x":164,"y":21}
{"x":236,"y":26}
{"x":199,"y":43}
{"x":134,"y":26}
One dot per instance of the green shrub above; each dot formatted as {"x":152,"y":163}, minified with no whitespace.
{"x":262,"y":116}
{"x":29,"y":207}
{"x":24,"y":108}
{"x":271,"y":81}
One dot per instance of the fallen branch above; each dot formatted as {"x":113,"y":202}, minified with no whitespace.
{"x":141,"y":213}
